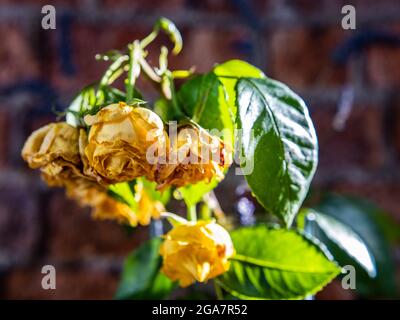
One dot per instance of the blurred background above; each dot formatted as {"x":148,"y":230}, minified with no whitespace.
{"x":350,"y":80}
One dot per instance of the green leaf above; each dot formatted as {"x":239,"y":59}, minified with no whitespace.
{"x":193,"y":193}
{"x":124,"y":192}
{"x":342,"y":236}
{"x":365,"y":219}
{"x":141,"y":277}
{"x":200,"y":98}
{"x":114,"y":70}
{"x":272,"y":263}
{"x":155,"y":195}
{"x":229,"y":73}
{"x":82,"y":102}
{"x":278,"y":145}
{"x":90,"y":100}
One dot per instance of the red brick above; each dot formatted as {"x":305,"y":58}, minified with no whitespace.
{"x":356,"y":145}
{"x":215,"y":6}
{"x":73,"y":234}
{"x":384,"y":67}
{"x":301,"y":57}
{"x":19,"y":222}
{"x":335,"y":291}
{"x":203,"y":47}
{"x":24,"y":283}
{"x":206,"y":46}
{"x":17,"y":59}
{"x":42,"y":2}
{"x":3,"y":137}
{"x":88,"y":70}
{"x":148,"y":5}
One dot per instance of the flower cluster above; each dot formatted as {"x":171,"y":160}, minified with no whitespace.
{"x":115,"y":147}
{"x":120,"y":144}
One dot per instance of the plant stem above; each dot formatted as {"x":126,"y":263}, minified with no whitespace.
{"x":175,"y":106}
{"x":134,"y":69}
{"x":191,"y":213}
{"x":218,"y":291}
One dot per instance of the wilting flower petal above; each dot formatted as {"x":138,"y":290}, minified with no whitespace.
{"x":194,"y":156}
{"x":119,"y":139}
{"x":104,"y":207}
{"x":54,"y":149}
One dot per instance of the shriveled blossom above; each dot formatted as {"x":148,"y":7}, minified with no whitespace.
{"x":194,"y":155}
{"x":196,"y":252}
{"x":54,"y":149}
{"x":147,"y":208}
{"x":119,"y":138}
{"x":104,"y":207}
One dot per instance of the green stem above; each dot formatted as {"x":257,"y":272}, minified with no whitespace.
{"x":218,"y":291}
{"x":191,"y":213}
{"x":175,"y":106}
{"x":146,"y":41}
{"x":113,"y":71}
{"x":134,"y":69}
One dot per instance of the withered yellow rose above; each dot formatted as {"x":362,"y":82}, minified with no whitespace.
{"x":54,"y":149}
{"x":51,"y":142}
{"x":119,"y":138}
{"x":194,"y":156}
{"x":147,"y":208}
{"x":196,"y":252}
{"x":104,"y":207}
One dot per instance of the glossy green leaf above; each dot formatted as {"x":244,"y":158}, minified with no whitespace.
{"x":343,"y":236}
{"x":81,"y":103}
{"x":200,"y":99}
{"x":278,"y":145}
{"x":90,"y":100}
{"x":124,"y":192}
{"x":165,"y":110}
{"x":154,"y":194}
{"x":229,"y":73}
{"x":364,"y":218}
{"x":141,"y":277}
{"x":272,"y":263}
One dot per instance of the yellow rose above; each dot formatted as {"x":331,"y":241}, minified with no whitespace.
{"x":194,"y":156}
{"x":147,"y":208}
{"x":54,"y":149}
{"x":196,"y":252}
{"x":119,"y":138}
{"x":51,"y":142}
{"x":104,"y":207}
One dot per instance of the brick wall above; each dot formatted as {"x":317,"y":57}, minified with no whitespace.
{"x":299,"y":42}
